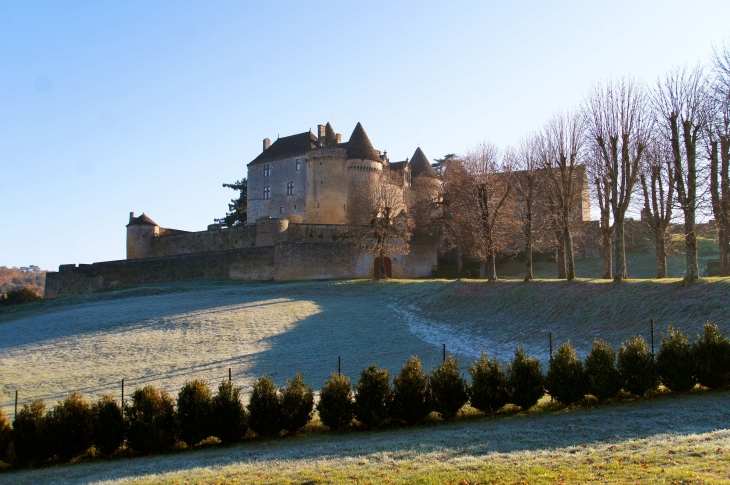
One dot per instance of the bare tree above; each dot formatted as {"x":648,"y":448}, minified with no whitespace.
{"x":455,"y":207}
{"x":526,"y":179}
{"x":619,"y":127}
{"x":560,"y":154}
{"x":602,"y":189}
{"x":718,"y":134}
{"x":379,"y":206}
{"x":659,"y":198}
{"x":486,"y":192}
{"x":681,"y":108}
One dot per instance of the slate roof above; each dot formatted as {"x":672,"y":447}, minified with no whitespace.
{"x":420,"y":165}
{"x":330,"y":137}
{"x":359,"y":146}
{"x":288,"y":146}
{"x":142,"y":220}
{"x":398,"y":165}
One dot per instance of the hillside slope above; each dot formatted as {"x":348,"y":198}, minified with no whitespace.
{"x":167,"y":334}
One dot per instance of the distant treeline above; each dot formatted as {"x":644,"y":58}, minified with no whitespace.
{"x":24,"y":277}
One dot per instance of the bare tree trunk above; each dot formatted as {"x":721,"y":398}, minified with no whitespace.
{"x":482,"y":270}
{"x":621,"y":271}
{"x":607,"y":256}
{"x":459,"y":258}
{"x":569,"y":258}
{"x":528,"y":251}
{"x":381,"y":266}
{"x":660,"y":249}
{"x":690,"y":243}
{"x":561,"y":255}
{"x":722,"y":238}
{"x":491,"y":266}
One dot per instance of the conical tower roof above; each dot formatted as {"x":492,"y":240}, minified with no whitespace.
{"x":329,"y":135}
{"x":420,"y":165}
{"x":359,"y":146}
{"x":142,"y":220}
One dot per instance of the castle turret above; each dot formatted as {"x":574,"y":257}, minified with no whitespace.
{"x":364,"y":168}
{"x":140,"y":232}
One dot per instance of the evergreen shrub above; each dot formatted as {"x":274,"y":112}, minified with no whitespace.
{"x":335,"y":405}
{"x":108,"y":424}
{"x":602,"y":378}
{"x":566,"y":380}
{"x":410,"y":393}
{"x":6,"y":435}
{"x":228,"y":415}
{"x":28,"y":429}
{"x":297,"y":404}
{"x":489,"y":390}
{"x":69,"y":427}
{"x":150,"y":420}
{"x":526,"y":380}
{"x":264,"y":408}
{"x":636,"y":366}
{"x":373,"y":396}
{"x":447,"y":388}
{"x":674,"y":363}
{"x":194,"y":403}
{"x":711,"y":358}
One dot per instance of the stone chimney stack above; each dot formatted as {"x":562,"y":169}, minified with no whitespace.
{"x":267,"y":143}
{"x":131,"y":216}
{"x":321,"y":134}
{"x":339,"y":138}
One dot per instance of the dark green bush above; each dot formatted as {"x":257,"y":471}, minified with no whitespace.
{"x":447,"y":388}
{"x":489,"y":390}
{"x":108,"y":424}
{"x":18,"y":297}
{"x":28,"y":431}
{"x":674,"y":364}
{"x":229,"y":420}
{"x":69,"y":427}
{"x":6,"y":435}
{"x":264,"y":408}
{"x":410,"y":393}
{"x":373,"y":396}
{"x":525,"y":378}
{"x":150,"y":420}
{"x":603,"y":379}
{"x":297,"y":404}
{"x":566,"y":380}
{"x":335,"y":405}
{"x":636,"y":366}
{"x":194,"y":403}
{"x":711,"y":358}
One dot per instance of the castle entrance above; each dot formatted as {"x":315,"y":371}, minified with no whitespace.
{"x":388,"y":267}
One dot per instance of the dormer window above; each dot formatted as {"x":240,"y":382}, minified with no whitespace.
{"x":267,"y":170}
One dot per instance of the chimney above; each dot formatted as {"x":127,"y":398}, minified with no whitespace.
{"x":339,"y":138}
{"x":267,"y":143}
{"x":131,"y":216}
{"x":320,"y":134}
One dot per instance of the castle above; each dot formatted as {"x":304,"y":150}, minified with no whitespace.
{"x":300,"y":212}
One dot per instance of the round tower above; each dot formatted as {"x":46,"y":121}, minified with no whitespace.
{"x":326,"y":180}
{"x":140,"y":232}
{"x":364,"y":167}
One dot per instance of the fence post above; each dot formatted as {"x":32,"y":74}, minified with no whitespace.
{"x":122,"y":393}
{"x":229,"y":375}
{"x":551,"y":345}
{"x":16,"y":404}
{"x":652,"y":338}
{"x":444,"y":352}
{"x":339,"y":365}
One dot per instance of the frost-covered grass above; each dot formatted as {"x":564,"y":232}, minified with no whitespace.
{"x":166,"y":334}
{"x":673,"y":438}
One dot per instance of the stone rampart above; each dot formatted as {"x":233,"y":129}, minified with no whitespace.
{"x":203,"y":241}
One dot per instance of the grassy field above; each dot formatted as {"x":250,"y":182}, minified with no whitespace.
{"x":671,"y":439}
{"x":166,"y":334}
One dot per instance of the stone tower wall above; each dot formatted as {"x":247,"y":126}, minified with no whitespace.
{"x":326,"y":187}
{"x":281,"y":173}
{"x":362,"y":176}
{"x":139,"y":240}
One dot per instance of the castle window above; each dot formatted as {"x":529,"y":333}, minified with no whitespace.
{"x":281,"y":209}
{"x":299,"y":164}
{"x":290,"y":188}
{"x":267,"y":192}
{"x":267,"y":171}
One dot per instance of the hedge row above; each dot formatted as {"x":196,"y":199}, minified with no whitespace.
{"x":154,"y":422}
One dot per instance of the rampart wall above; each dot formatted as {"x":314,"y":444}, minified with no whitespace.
{"x":203,"y":241}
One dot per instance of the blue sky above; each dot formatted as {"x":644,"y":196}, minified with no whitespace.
{"x":112,"y":107}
